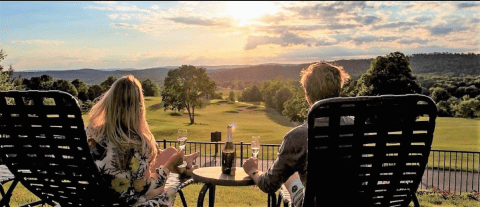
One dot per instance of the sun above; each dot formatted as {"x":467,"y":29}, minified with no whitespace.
{"x":246,"y":11}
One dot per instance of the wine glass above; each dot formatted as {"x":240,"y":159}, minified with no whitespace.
{"x":255,"y":145}
{"x":182,"y":138}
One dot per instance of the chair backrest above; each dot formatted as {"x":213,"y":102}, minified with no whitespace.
{"x":376,"y":160}
{"x":43,"y":143}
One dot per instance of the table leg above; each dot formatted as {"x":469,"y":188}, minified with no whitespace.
{"x":201,"y":195}
{"x":211,"y":196}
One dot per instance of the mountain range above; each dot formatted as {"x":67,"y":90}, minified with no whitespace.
{"x":435,"y":63}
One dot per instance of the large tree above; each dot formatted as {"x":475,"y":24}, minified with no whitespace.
{"x":184,"y":88}
{"x":390,"y":74}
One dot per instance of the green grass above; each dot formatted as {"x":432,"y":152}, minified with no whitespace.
{"x":457,"y":134}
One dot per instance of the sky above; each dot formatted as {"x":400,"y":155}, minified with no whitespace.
{"x":74,"y":35}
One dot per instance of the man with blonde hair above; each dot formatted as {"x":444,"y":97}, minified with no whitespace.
{"x":320,"y":81}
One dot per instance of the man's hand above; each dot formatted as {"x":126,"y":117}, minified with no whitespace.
{"x":250,"y":166}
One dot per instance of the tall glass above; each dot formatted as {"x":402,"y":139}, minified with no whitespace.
{"x":255,"y":146}
{"x":182,"y":138}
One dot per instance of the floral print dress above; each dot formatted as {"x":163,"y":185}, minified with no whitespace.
{"x":131,"y":184}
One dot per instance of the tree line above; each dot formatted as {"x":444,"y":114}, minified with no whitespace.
{"x":455,"y":96}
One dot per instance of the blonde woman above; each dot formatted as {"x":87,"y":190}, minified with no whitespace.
{"x":125,"y":150}
{"x":320,"y":81}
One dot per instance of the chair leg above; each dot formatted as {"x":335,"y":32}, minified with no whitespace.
{"x":415,"y":200}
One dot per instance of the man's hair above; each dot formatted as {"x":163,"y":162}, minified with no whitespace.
{"x":323,"y":80}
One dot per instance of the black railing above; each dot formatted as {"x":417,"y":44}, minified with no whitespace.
{"x":210,"y":152}
{"x":455,"y":171}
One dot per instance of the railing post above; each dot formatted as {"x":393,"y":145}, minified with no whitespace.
{"x":241,"y":154}
{"x":164,"y":144}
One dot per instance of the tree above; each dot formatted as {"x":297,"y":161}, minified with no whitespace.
{"x":468,"y":108}
{"x":231,"y":96}
{"x":5,"y":82}
{"x":349,"y":88}
{"x":184,"y":88}
{"x":82,"y":89}
{"x":391,"y":74}
{"x":270,"y":88}
{"x":296,"y":108}
{"x":439,"y":94}
{"x":106,"y":84}
{"x":150,"y":88}
{"x":94,"y":91}
{"x":280,"y":97}
{"x":251,"y":94}
{"x":65,"y":85}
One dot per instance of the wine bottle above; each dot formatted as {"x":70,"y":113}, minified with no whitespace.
{"x":228,"y":153}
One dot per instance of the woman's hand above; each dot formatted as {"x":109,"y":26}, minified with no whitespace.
{"x":174,"y":161}
{"x":250,"y":166}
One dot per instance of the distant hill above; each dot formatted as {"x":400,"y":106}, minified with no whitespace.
{"x":435,"y":63}
{"x":93,"y":76}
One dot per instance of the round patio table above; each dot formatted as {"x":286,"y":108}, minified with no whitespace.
{"x":213,"y":176}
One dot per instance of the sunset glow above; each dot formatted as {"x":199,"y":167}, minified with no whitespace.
{"x":73,"y":35}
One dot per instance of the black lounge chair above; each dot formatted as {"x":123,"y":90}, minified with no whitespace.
{"x":377,"y":161}
{"x":43,"y":143}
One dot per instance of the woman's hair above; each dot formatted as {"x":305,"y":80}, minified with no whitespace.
{"x":323,"y":80}
{"x":119,"y":116}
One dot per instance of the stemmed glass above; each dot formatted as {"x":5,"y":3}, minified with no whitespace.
{"x":182,"y":138}
{"x":255,"y":146}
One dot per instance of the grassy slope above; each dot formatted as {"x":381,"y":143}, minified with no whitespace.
{"x":450,"y":133}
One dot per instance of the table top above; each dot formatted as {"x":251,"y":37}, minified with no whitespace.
{"x":214,"y":175}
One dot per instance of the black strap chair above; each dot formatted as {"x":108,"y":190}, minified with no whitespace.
{"x":379,"y":160}
{"x":44,"y":144}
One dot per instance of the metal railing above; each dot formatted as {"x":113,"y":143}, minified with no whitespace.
{"x":455,"y":171}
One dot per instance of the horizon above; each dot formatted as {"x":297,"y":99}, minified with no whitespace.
{"x":41,"y":36}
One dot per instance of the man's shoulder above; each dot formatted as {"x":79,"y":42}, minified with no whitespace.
{"x":299,"y":130}
{"x":297,"y":135}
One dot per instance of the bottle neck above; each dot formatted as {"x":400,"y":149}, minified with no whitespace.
{"x":229,"y":134}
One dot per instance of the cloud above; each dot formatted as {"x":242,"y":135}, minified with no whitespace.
{"x":284,"y":40}
{"x":113,"y":16}
{"x":370,"y":38}
{"x":411,"y":41}
{"x":368,"y":19}
{"x":467,"y":5}
{"x":394,"y":25}
{"x":441,"y":30}
{"x":106,"y":2}
{"x":275,"y":19}
{"x":423,"y":18}
{"x":38,"y":42}
{"x":202,"y":22}
{"x":155,"y":7}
